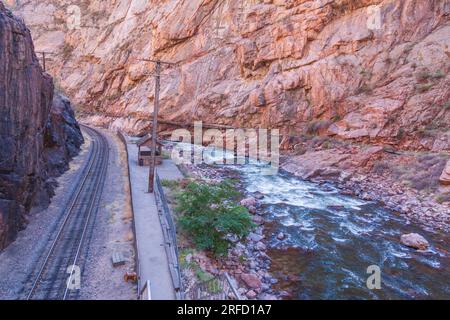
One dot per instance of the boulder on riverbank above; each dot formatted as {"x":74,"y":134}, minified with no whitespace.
{"x":249,"y":202}
{"x":414,"y":240}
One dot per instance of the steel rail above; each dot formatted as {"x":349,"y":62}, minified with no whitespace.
{"x":99,"y":189}
{"x":97,"y":160}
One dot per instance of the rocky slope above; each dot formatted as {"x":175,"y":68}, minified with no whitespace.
{"x":366,"y":70}
{"x":38,"y":133}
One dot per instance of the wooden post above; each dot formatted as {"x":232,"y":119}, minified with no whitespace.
{"x":151,"y":179}
{"x":151,"y":174}
{"x":43,"y":60}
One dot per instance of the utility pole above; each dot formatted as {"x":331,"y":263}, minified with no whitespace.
{"x":151,"y":174}
{"x":43,"y":58}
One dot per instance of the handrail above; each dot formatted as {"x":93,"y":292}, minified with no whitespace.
{"x":170,"y":237}
{"x":233,"y":288}
{"x":149,"y":294}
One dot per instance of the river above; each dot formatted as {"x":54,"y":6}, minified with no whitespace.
{"x":332,"y":239}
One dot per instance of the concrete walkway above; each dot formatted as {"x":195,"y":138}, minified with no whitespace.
{"x":154,"y":264}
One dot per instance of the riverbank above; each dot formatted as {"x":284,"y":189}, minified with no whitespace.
{"x":316,"y":240}
{"x":247,"y":261}
{"x":405,"y":182}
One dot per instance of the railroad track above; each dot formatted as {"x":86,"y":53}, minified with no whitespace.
{"x":69,"y":246}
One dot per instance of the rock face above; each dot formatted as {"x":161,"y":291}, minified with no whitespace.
{"x":366,"y":70}
{"x":31,"y":134}
{"x":415,"y":241}
{"x":62,"y":137}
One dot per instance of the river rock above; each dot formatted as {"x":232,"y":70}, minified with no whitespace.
{"x":249,"y":202}
{"x":281,"y":236}
{"x":252,"y":264}
{"x":267,"y":296}
{"x":242,"y":291}
{"x":252,"y":209}
{"x":233,"y":238}
{"x":336,"y":207}
{"x":414,"y":240}
{"x":251,"y":280}
{"x":251,"y":294}
{"x":255,"y":237}
{"x":261,"y":246}
{"x":258,"y":195}
{"x":258,"y":220}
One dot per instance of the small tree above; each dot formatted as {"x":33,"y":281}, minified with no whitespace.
{"x":210,"y":213}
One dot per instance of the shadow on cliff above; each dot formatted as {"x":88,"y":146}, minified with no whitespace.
{"x":38,"y":130}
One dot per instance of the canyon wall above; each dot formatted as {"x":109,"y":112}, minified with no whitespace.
{"x":366,"y":70}
{"x":38,"y":133}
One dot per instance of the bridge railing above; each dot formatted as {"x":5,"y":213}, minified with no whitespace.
{"x":170,"y":237}
{"x":219,"y":288}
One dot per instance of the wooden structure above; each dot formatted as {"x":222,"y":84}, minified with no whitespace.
{"x":145,"y":151}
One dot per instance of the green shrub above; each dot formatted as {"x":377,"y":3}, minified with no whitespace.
{"x":380,"y":167}
{"x":364,"y":88}
{"x":336,"y":118}
{"x":400,"y":134}
{"x":314,"y":127}
{"x":446,"y":105}
{"x":438,"y":75}
{"x":209,"y":213}
{"x":166,"y":155}
{"x":421,"y":88}
{"x":67,"y":50}
{"x":443,"y":197}
{"x":171,"y":184}
{"x":203,"y":276}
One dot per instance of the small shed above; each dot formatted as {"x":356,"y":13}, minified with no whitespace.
{"x":145,"y":151}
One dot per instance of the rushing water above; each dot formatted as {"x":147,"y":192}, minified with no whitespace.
{"x":338,"y":237}
{"x":332,"y":239}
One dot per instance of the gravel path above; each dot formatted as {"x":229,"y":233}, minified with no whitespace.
{"x":112,"y":233}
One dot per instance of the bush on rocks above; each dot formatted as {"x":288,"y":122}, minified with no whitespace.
{"x":209,"y":214}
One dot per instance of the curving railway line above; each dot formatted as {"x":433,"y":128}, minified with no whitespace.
{"x":69,"y":247}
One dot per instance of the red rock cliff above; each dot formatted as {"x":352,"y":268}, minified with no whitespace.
{"x":26,"y":113}
{"x":370,"y":70}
